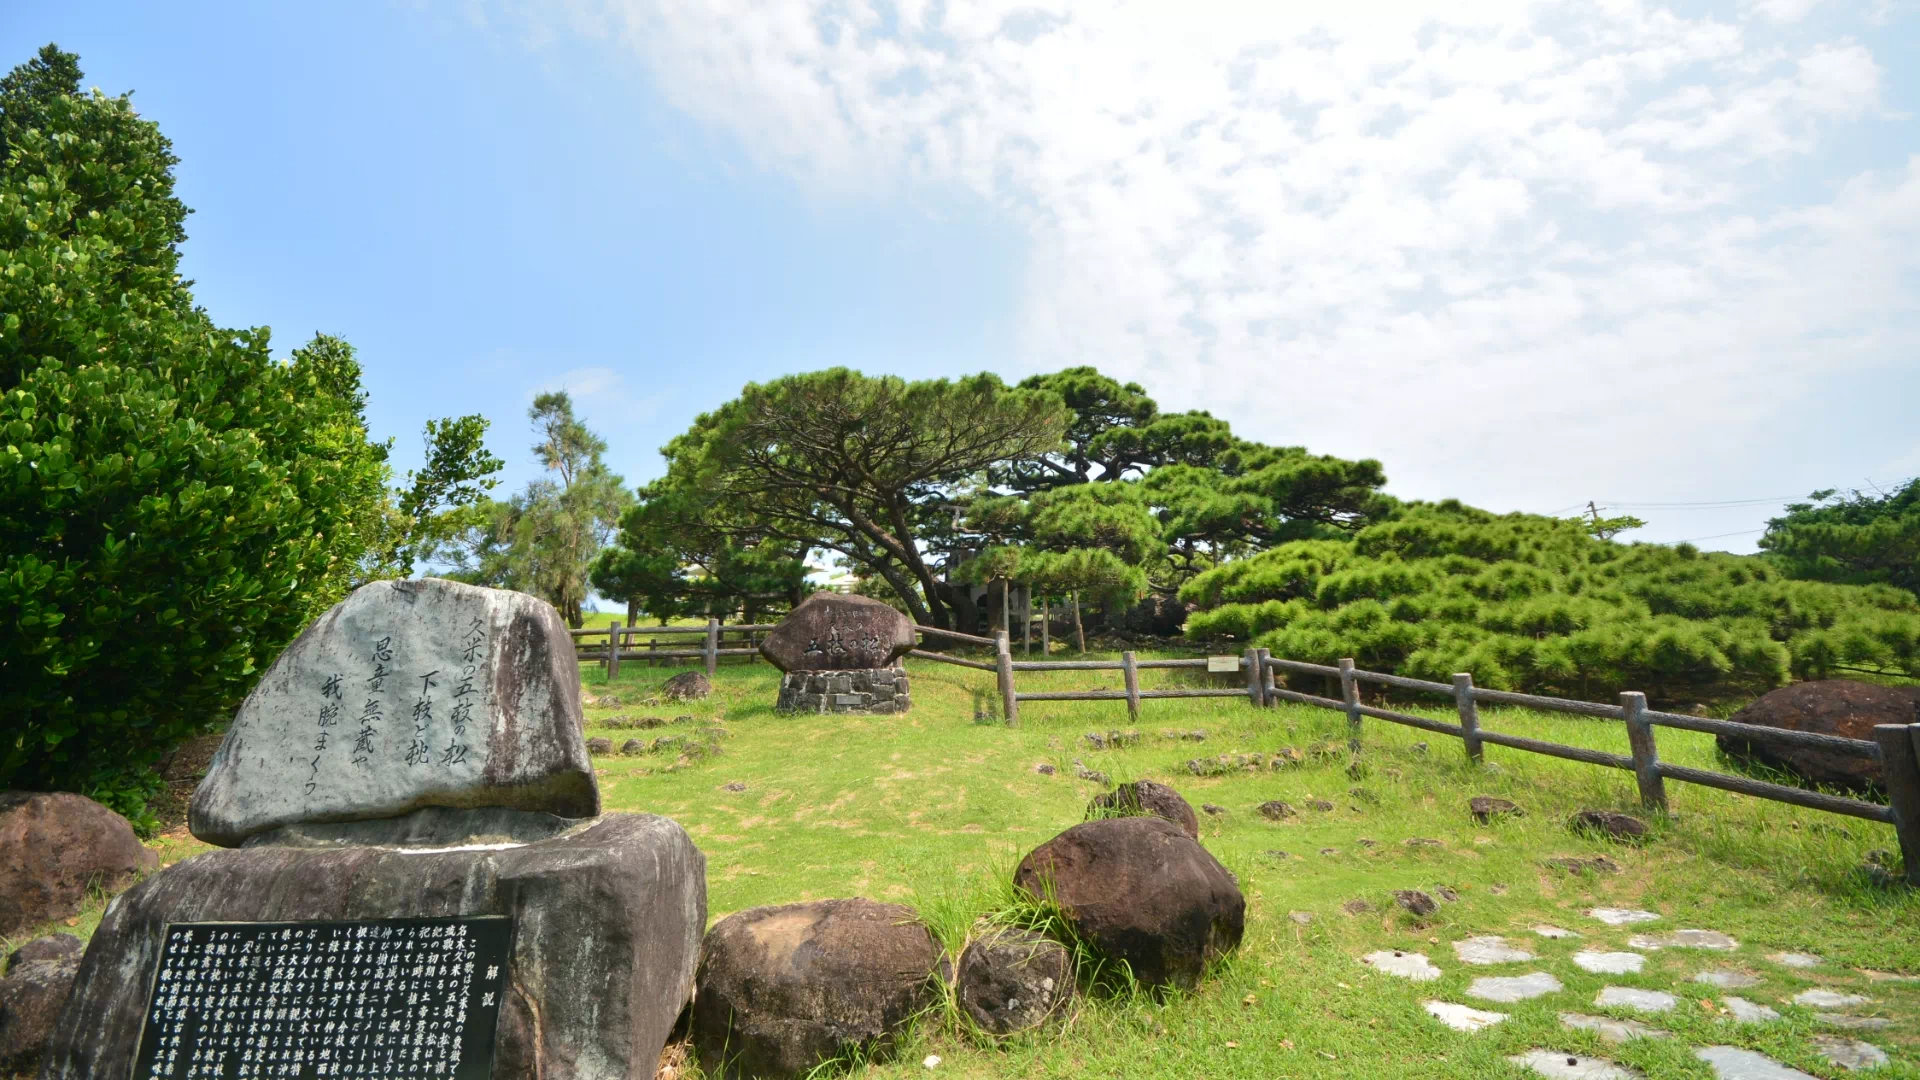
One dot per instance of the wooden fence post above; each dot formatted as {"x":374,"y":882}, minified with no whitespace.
{"x":1003,"y":669}
{"x":613,"y":651}
{"x":1255,"y":692}
{"x":603,"y":661}
{"x":1132,"y":673}
{"x":1350,"y":693}
{"x":1046,"y":628}
{"x":713,"y":646}
{"x":1900,"y":772}
{"x":1646,"y":757}
{"x":1079,"y":632}
{"x":1469,"y":716}
{"x":1267,"y":696}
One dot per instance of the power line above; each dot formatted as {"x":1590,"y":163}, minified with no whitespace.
{"x":1715,"y":536}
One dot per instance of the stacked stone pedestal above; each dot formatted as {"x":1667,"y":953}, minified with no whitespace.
{"x":865,"y":690}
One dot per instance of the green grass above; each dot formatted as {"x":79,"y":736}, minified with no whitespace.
{"x":934,"y":808}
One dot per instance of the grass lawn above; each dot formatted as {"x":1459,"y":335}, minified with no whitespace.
{"x":934,"y":808}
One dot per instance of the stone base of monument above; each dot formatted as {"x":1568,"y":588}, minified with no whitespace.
{"x":607,"y":915}
{"x":864,"y":690}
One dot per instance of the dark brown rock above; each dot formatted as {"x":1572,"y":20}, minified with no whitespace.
{"x":686,"y":686}
{"x":1356,"y":907}
{"x":1321,"y":805}
{"x":607,"y":919}
{"x":39,"y":978}
{"x":1147,"y":797}
{"x":1485,"y":808}
{"x":56,"y":846}
{"x":1842,"y":707}
{"x":1141,"y":891}
{"x":599,"y":746}
{"x":1013,"y":980}
{"x":1416,"y":902}
{"x":1275,"y":810}
{"x":1624,"y":827}
{"x":1598,"y":864}
{"x":782,"y":989}
{"x":632,"y":746}
{"x":835,"y":632}
{"x":1212,"y":810}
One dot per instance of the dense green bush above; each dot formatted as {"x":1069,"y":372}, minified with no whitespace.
{"x":1858,"y":539}
{"x":168,"y":503}
{"x":1537,"y":604}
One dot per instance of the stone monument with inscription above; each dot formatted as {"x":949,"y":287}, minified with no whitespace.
{"x":418,"y":883}
{"x":841,"y":654}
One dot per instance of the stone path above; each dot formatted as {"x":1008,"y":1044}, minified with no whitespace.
{"x":1621,"y":916}
{"x":1631,"y":997}
{"x":1491,"y":949}
{"x":1611,"y":1030}
{"x":1407,"y":965}
{"x":1610,"y":963}
{"x":1727,"y":1062}
{"x":1572,"y":1066}
{"x":1463,"y":1017}
{"x":1509,"y":988}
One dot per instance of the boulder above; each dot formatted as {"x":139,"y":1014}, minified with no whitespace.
{"x":600,"y":746}
{"x":782,"y":989}
{"x":406,"y":694}
{"x":1623,"y":827}
{"x":834,"y":632}
{"x":1141,"y":891}
{"x":1275,"y":810}
{"x":686,"y":686}
{"x":1842,"y":707}
{"x":1013,"y":980}
{"x":54,"y":848}
{"x":607,"y":918}
{"x":1147,"y":797}
{"x":1417,"y":903}
{"x":38,"y":979}
{"x":1485,"y":808}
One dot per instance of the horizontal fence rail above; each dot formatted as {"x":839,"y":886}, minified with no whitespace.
{"x":620,"y":643}
{"x":1895,"y":747}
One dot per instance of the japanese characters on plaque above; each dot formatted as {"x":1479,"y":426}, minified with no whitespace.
{"x":392,"y":998}
{"x":846,"y":632}
{"x":436,"y":705}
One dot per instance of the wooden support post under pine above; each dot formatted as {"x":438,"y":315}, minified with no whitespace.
{"x":613,"y":651}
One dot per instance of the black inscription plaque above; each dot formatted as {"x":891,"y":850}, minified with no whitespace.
{"x":356,"y":1000}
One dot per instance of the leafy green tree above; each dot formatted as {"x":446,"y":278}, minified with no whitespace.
{"x":1857,"y":539}
{"x":862,"y":466}
{"x":1540,"y":604}
{"x":545,"y":539}
{"x":164,"y":486}
{"x":649,"y":581}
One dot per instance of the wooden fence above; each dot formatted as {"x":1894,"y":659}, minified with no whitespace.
{"x":710,"y":650}
{"x":1895,"y":747}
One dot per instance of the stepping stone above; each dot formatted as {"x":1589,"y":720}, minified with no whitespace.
{"x":1685,"y":939}
{"x":1630,"y":997}
{"x":1727,"y":980}
{"x":1301,"y":917}
{"x":1828,"y":999}
{"x":1849,"y":1053}
{"x":1796,"y":959}
{"x":1490,"y":949}
{"x":1886,"y":976}
{"x":1572,"y":1066}
{"x":1621,"y":916}
{"x":1611,"y":1030}
{"x":1407,"y":965}
{"x":1733,"y":1063}
{"x":1610,"y":963}
{"x":1854,"y":1023}
{"x":1548,"y":930}
{"x":1748,"y":1012}
{"x":1463,"y":1017}
{"x":1510,"y":988}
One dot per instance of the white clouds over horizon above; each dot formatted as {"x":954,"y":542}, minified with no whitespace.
{"x":1523,"y":253}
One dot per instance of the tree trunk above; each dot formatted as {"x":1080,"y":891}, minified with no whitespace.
{"x":633,"y":612}
{"x":903,"y":587}
{"x":1079,"y":632}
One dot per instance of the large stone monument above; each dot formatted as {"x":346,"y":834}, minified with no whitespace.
{"x":420,"y":884}
{"x":840,"y":654}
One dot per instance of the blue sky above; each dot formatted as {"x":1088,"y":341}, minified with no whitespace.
{"x":1529,"y":256}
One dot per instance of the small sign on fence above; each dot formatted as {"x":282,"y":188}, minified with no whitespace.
{"x":1223,"y":663}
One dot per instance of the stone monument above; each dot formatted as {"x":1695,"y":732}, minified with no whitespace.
{"x":840,"y":654}
{"x":419,"y":883}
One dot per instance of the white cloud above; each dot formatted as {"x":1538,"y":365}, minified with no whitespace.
{"x":1516,"y":250}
